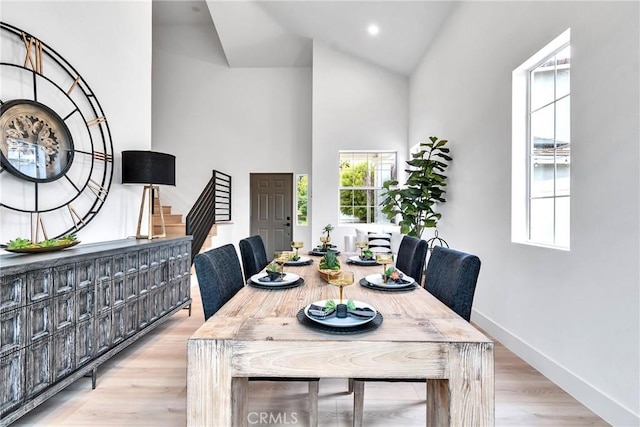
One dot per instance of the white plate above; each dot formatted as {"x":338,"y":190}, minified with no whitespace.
{"x":286,"y":280}
{"x":341,"y":322}
{"x":302,"y":260}
{"x":376,"y":280}
{"x":356,"y":259}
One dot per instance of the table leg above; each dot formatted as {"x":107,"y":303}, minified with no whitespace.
{"x":209,"y":383}
{"x":358,"y":401}
{"x":240,"y":401}
{"x":438,"y":403}
{"x":471,"y":385}
{"x":314,"y":388}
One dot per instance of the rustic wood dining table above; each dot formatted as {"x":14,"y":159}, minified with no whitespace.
{"x":258,"y":334}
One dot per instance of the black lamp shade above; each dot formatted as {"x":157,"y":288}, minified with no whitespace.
{"x":148,"y":167}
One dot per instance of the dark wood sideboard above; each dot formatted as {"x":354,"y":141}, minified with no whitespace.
{"x":64,"y":313}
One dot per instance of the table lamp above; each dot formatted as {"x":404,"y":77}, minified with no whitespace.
{"x":152,"y":169}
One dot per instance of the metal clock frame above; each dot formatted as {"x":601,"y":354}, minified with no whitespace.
{"x":96,"y":182}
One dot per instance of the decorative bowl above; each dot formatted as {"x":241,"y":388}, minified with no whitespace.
{"x":41,"y":249}
{"x":325,"y":273}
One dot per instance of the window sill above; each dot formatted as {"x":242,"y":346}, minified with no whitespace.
{"x":542,"y":245}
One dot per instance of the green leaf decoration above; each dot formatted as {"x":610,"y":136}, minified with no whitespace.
{"x":423,"y":190}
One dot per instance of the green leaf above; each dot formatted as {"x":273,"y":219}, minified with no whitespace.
{"x":329,"y":306}
{"x":423,"y":189}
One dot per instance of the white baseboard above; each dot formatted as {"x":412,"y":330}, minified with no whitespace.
{"x":601,"y":404}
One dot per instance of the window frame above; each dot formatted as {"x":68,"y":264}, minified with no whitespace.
{"x":298,"y":199}
{"x":376,"y":189}
{"x":522,"y":152}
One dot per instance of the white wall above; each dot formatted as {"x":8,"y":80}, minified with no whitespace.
{"x":356,"y":106}
{"x":572,"y":315}
{"x":235,"y":120}
{"x":115,"y":60}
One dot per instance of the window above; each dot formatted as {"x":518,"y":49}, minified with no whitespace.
{"x":542,"y":147}
{"x":361,"y":177}
{"x":302,"y":190}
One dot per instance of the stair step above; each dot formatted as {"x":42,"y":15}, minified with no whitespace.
{"x":165,"y":210}
{"x":171,"y":230}
{"x":168,"y":218}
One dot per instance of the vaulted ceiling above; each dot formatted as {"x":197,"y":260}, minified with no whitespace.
{"x":280,"y":33}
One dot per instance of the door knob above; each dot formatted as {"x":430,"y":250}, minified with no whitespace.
{"x":287,"y":225}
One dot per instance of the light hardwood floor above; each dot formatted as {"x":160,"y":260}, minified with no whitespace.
{"x":145,"y":385}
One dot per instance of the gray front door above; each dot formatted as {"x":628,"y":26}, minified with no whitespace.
{"x":272,"y":209}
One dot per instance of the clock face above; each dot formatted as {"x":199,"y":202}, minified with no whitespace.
{"x":56,"y":153}
{"x":35,"y":144}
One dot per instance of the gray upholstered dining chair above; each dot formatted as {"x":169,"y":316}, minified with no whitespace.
{"x":254,"y":255}
{"x":411,"y":257}
{"x":220,"y":277}
{"x":451,"y":277}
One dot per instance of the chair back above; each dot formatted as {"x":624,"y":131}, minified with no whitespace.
{"x":254,"y":255}
{"x":451,"y":277}
{"x":219,"y":277}
{"x":411,"y":257}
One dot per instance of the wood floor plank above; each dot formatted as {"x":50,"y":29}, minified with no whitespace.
{"x":145,"y":385}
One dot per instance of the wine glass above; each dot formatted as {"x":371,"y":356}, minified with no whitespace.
{"x":361,"y":244}
{"x":297,"y":245}
{"x":325,"y":240}
{"x":341,"y":279}
{"x":384,"y":259}
{"x":281,"y":257}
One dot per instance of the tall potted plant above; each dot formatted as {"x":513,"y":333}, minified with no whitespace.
{"x":415,"y":201}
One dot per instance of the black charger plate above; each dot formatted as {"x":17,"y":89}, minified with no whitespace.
{"x":366,"y":284}
{"x":295,"y":284}
{"x":366,"y":263}
{"x":321,"y":253}
{"x":377,"y":321}
{"x":298,"y":263}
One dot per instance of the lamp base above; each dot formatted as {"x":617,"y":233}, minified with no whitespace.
{"x":149,"y":193}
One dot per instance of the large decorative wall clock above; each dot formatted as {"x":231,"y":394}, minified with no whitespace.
{"x":56,"y":153}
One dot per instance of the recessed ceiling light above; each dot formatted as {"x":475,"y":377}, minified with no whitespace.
{"x":373,"y":29}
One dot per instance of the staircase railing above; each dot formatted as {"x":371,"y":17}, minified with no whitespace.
{"x":212,"y":206}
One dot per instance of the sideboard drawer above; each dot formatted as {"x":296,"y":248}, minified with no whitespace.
{"x":39,"y":285}
{"x":12,"y":374}
{"x":38,"y":368}
{"x":39,"y":321}
{"x":12,"y":331}
{"x":12,"y":294}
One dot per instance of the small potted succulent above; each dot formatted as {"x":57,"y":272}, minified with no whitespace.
{"x":274,"y":272}
{"x":329,"y":265}
{"x":392,"y":274}
{"x":326,"y":239}
{"x":367,"y":255}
